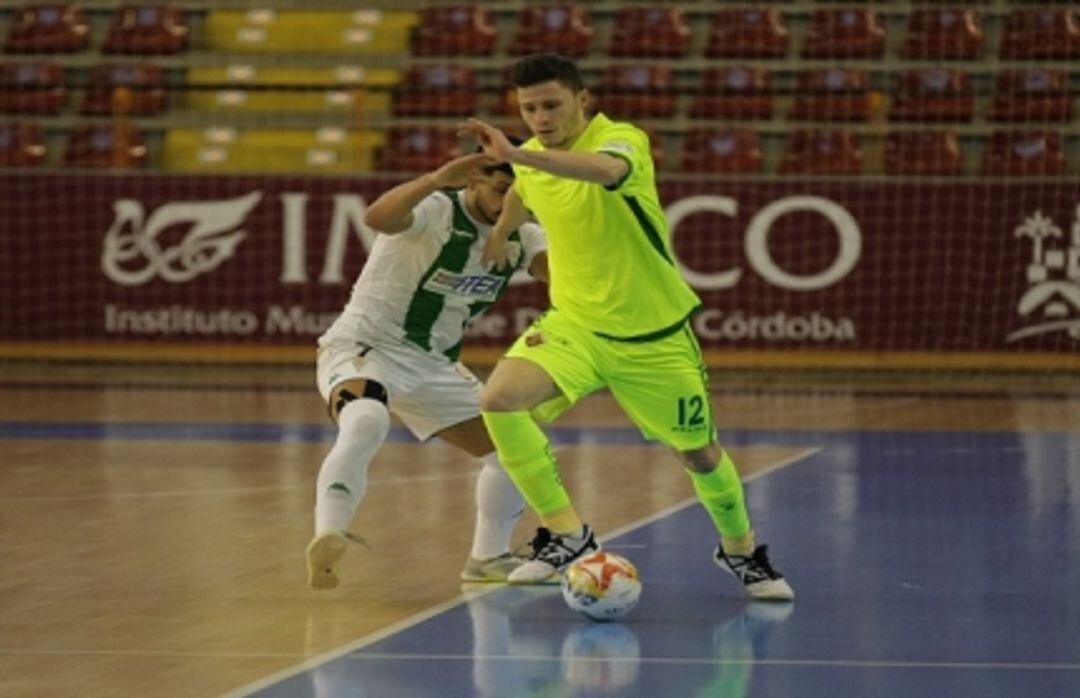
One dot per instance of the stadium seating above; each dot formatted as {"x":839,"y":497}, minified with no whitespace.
{"x":634,"y":91}
{"x":1041,"y":33}
{"x":1034,"y":94}
{"x":227,"y":150}
{"x":565,"y":29}
{"x":723,"y":151}
{"x":106,"y":146}
{"x":923,"y":153}
{"x":32,"y":88}
{"x":822,"y":153}
{"x":933,"y":94}
{"x":136,"y":90}
{"x":241,"y":87}
{"x":734,"y":92}
{"x":48,"y":28}
{"x":748,"y":32}
{"x":656,"y":31}
{"x":21,"y":145}
{"x":356,"y":32}
{"x":147,"y":29}
{"x":454,"y":30}
{"x":834,"y":94}
{"x":848,"y":32}
{"x":417,"y":149}
{"x":1023,"y":153}
{"x":436,"y":90}
{"x":943,"y":33}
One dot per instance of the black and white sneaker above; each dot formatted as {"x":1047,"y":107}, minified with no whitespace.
{"x":552,"y":554}
{"x":756,"y":574}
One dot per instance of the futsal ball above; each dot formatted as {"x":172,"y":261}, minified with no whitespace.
{"x":601,"y":586}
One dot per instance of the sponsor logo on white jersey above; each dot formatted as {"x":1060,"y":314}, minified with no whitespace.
{"x":475,"y":287}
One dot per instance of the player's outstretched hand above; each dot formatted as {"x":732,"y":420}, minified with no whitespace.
{"x":492,"y":140}
{"x":455,"y":174}
{"x":496,"y":253}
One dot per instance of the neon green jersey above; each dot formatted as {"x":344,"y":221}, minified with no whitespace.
{"x":609,"y":251}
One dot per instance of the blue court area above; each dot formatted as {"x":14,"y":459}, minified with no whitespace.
{"x":925,"y":564}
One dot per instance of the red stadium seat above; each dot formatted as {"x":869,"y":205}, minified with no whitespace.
{"x":1034,"y":94}
{"x":848,"y":32}
{"x":436,"y":90}
{"x":565,"y":29}
{"x":734,"y":92}
{"x":749,"y":32}
{"x":32,"y":88}
{"x":106,"y":146}
{"x":933,"y":94}
{"x":21,"y":145}
{"x":465,"y":30}
{"x":822,"y":153}
{"x":42,"y":28}
{"x":657,"y":31}
{"x":727,"y":151}
{"x":147,"y":29}
{"x":417,"y":149}
{"x":630,"y":91}
{"x":834,"y":94}
{"x":943,"y":33}
{"x":1041,"y":33}
{"x":923,"y":153}
{"x":125,"y":89}
{"x":1024,"y":153}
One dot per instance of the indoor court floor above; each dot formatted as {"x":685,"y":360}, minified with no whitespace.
{"x":153,"y":521}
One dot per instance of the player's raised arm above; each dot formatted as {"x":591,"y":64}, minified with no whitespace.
{"x":393,"y":211}
{"x":600,"y":168}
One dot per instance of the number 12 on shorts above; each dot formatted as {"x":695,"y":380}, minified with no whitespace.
{"x":690,"y":409}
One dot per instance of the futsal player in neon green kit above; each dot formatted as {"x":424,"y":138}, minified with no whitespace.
{"x":619,"y":319}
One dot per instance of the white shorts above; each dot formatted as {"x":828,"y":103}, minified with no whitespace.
{"x":426,"y":393}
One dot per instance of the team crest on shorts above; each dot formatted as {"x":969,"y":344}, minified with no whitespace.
{"x":534,"y":340}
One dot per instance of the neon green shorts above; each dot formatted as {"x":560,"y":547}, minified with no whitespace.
{"x":662,"y":384}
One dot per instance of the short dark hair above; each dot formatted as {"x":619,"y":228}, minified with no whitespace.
{"x":503,"y":167}
{"x":543,"y":67}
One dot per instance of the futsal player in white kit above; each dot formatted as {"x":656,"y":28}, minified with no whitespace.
{"x":395,"y":349}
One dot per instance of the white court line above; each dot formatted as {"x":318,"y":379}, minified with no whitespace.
{"x":422,"y":616}
{"x":852,"y":663}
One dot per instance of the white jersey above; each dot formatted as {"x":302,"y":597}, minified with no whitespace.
{"x":424,"y":284}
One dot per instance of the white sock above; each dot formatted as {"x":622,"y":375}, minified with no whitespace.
{"x":362,"y":428}
{"x":499,"y":506}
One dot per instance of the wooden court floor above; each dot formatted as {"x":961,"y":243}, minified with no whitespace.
{"x":154,"y":518}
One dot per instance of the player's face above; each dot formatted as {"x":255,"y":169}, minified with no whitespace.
{"x":554,"y":113}
{"x":486,"y":192}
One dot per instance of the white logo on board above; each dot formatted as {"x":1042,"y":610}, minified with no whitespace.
{"x":1052,"y":300}
{"x":133,"y":254}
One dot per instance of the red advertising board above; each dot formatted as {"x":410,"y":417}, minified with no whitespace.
{"x":851,"y":266}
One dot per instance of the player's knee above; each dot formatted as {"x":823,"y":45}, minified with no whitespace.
{"x":499,"y":398}
{"x":371,"y":390}
{"x":364,"y":418}
{"x":701,"y":460}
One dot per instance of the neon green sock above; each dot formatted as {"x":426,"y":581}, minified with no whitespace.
{"x":721,"y":493}
{"x":524,"y":452}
